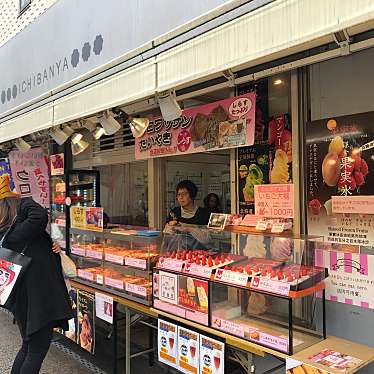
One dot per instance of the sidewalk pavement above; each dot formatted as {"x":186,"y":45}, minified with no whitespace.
{"x":57,"y":362}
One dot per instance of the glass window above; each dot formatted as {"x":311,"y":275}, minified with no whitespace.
{"x":23,"y":4}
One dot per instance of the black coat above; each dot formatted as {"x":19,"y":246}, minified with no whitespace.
{"x":41,"y":296}
{"x":201,"y":216}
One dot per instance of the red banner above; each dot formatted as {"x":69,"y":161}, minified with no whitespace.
{"x":228,"y":123}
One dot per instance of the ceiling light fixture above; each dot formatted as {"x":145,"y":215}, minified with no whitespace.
{"x":79,"y":147}
{"x":138,"y":126}
{"x":109,"y":124}
{"x":76,"y":138}
{"x":169,"y":106}
{"x":98,"y":133}
{"x":277,"y":82}
{"x":22,"y":145}
{"x":58,"y":135}
{"x":68,"y":130}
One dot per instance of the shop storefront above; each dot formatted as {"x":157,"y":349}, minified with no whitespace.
{"x":285,"y":261}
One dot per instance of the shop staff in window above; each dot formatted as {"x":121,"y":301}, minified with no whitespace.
{"x":181,"y":220}
{"x":188,"y":211}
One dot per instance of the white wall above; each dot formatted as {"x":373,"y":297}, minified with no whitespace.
{"x":343,"y":86}
{"x":11,"y":22}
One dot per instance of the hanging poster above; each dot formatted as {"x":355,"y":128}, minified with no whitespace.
{"x":31,"y":174}
{"x":167,"y":343}
{"x":280,"y":137}
{"x":87,"y":218}
{"x":228,"y":123}
{"x":5,"y":170}
{"x":188,"y":351}
{"x":57,"y":164}
{"x":351,"y":277}
{"x":340,"y":162}
{"x":86,"y":321}
{"x":73,"y":323}
{"x":212,"y":356}
{"x":254,"y":165}
{"x":104,"y":307}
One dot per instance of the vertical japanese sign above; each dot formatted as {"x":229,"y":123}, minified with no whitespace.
{"x":31,"y":175}
{"x":86,"y":321}
{"x":351,"y":277}
{"x":340,"y":162}
{"x":212,"y":356}
{"x":168,"y":343}
{"x":223,"y":124}
{"x":5,"y":170}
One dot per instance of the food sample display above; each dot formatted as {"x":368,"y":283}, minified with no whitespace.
{"x":116,"y":262}
{"x":270,"y":300}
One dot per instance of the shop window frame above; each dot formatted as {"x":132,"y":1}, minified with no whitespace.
{"x":23,"y":6}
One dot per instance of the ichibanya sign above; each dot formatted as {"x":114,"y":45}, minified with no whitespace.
{"x":73,"y":38}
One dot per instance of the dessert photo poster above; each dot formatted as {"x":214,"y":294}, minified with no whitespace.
{"x":86,"y":321}
{"x":340,"y":162}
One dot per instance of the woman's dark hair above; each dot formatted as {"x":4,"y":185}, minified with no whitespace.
{"x":8,"y":210}
{"x":189,"y":186}
{"x":207,"y":198}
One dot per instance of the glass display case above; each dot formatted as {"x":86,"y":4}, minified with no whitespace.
{"x":83,"y":187}
{"x":260,"y":287}
{"x":119,"y":261}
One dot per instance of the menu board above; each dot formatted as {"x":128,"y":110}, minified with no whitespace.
{"x":212,"y":356}
{"x":167,"y":343}
{"x":188,"y":351}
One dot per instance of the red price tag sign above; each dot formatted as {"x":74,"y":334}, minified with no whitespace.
{"x":231,"y":277}
{"x":270,"y":285}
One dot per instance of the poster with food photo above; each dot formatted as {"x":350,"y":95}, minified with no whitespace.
{"x":86,"y":321}
{"x":73,"y":323}
{"x":167,"y":343}
{"x":340,"y":162}
{"x":212,"y":356}
{"x":188,"y":351}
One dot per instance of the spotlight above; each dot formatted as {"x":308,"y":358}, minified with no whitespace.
{"x":109,"y":124}
{"x":76,"y":138}
{"x":96,"y":131}
{"x":22,"y":145}
{"x":68,"y":131}
{"x":59,"y":136}
{"x":277,"y":82}
{"x":169,"y":106}
{"x":138,"y":126}
{"x":79,"y":147}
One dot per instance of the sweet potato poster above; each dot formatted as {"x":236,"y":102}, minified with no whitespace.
{"x":340,"y":162}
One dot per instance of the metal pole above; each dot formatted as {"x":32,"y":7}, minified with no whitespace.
{"x":115,"y":339}
{"x":324,"y":313}
{"x":290,"y":327}
{"x":127,"y":341}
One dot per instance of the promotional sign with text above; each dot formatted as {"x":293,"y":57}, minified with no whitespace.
{"x":31,"y":175}
{"x":351,"y":277}
{"x":168,"y":343}
{"x":87,"y":218}
{"x":228,"y":123}
{"x":340,"y":163}
{"x":274,"y":200}
{"x":188,"y":351}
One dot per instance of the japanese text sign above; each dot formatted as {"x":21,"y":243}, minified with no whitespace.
{"x":353,"y":204}
{"x":30,"y":174}
{"x":87,"y":218}
{"x":228,"y":123}
{"x":274,"y":200}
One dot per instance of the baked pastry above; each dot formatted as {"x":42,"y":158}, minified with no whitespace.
{"x":298,"y":370}
{"x":256,"y":304}
{"x":219,"y":114}
{"x":199,"y":127}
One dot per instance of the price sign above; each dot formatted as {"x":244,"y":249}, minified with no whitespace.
{"x":270,"y":285}
{"x":262,"y":225}
{"x":200,"y":271}
{"x":231,"y":277}
{"x":274,"y":200}
{"x":136,"y":263}
{"x":170,"y":264}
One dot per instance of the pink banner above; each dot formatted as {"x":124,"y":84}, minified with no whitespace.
{"x":351,"y":277}
{"x":228,"y":123}
{"x":30,"y":174}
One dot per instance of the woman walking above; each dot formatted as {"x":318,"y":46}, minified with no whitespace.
{"x":40,"y":300}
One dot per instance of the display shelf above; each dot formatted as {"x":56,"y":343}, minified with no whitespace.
{"x":117,"y":262}
{"x":262,"y":278}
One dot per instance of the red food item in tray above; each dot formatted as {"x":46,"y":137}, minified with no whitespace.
{"x":256,"y":269}
{"x":280,"y":275}
{"x":197,"y":261}
{"x":210,"y":261}
{"x":223,"y":260}
{"x":273,"y":274}
{"x":227,"y":268}
{"x":239,"y":269}
{"x":264,"y":272}
{"x":248,"y":270}
{"x":203,"y":261}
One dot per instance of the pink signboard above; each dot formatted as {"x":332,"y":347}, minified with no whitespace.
{"x":228,"y":123}
{"x":351,"y":277}
{"x":274,"y":200}
{"x":353,"y":204}
{"x":31,"y":175}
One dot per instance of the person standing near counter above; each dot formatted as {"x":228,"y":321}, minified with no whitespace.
{"x":188,"y":211}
